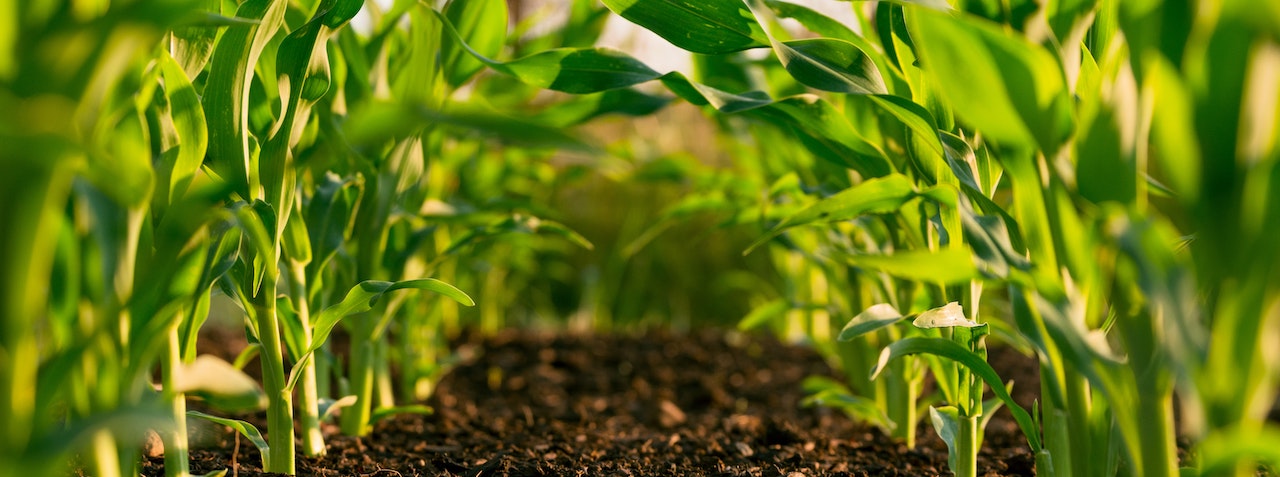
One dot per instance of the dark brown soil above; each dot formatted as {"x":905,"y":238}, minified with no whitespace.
{"x":705,"y":404}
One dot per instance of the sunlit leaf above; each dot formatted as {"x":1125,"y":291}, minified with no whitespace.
{"x":700,"y":26}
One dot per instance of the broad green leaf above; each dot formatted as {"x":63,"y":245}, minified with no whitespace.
{"x":1008,"y":88}
{"x":366,"y":294}
{"x":292,"y":329}
{"x":946,"y":422}
{"x":295,"y":240}
{"x":244,"y":428}
{"x":482,"y":24}
{"x":954,"y":351}
{"x":700,"y":26}
{"x":226,"y":93}
{"x":873,"y":196}
{"x":825,"y":63}
{"x":950,"y":266}
{"x":988,"y":237}
{"x":876,"y":317}
{"x":831,"y":65}
{"x":828,"y":134}
{"x":581,"y":71}
{"x":220,"y":384}
{"x":189,"y":125}
{"x":328,"y":218}
{"x":816,"y":22}
{"x":192,"y":42}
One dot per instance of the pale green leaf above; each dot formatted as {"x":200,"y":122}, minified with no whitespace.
{"x":876,"y":317}
{"x":950,"y":266}
{"x":220,"y":385}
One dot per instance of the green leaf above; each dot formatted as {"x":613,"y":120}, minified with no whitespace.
{"x":878,"y":195}
{"x":244,"y":428}
{"x":700,"y":26}
{"x":295,"y":240}
{"x":385,"y":412}
{"x":580,"y":70}
{"x":1007,"y":87}
{"x":226,"y":92}
{"x":189,"y":125}
{"x":831,"y":65}
{"x":220,"y":384}
{"x":813,"y":20}
{"x":824,"y":391}
{"x":1222,"y":450}
{"x":950,"y":266}
{"x":328,"y":217}
{"x":330,"y":406}
{"x":946,"y":422}
{"x":482,"y":24}
{"x":876,"y":317}
{"x":764,"y":314}
{"x":378,"y":122}
{"x":954,"y":351}
{"x":366,"y":294}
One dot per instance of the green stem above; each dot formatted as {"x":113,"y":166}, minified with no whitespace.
{"x":176,"y":461}
{"x":967,"y":448}
{"x":355,"y":418}
{"x":1056,"y":429}
{"x":308,"y":393}
{"x":901,"y":396}
{"x":1157,"y":447}
{"x":279,"y":400}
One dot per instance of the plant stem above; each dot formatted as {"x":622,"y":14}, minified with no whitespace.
{"x":967,"y":448}
{"x":279,"y":400}
{"x":901,"y":395}
{"x":176,"y":461}
{"x":1158,"y":453}
{"x":308,"y":395}
{"x":355,"y":418}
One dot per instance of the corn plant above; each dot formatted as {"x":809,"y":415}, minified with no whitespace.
{"x":977,"y":102}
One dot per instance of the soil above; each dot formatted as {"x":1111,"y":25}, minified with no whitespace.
{"x":705,"y":404}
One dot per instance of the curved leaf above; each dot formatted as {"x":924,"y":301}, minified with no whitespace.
{"x":876,"y":317}
{"x":483,"y":25}
{"x":220,"y":384}
{"x":365,"y":295}
{"x":244,"y":428}
{"x":954,"y":351}
{"x":829,"y":64}
{"x":1007,"y":87}
{"x":878,"y":195}
{"x":701,"y":26}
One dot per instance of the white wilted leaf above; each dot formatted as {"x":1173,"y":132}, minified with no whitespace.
{"x":946,"y":316}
